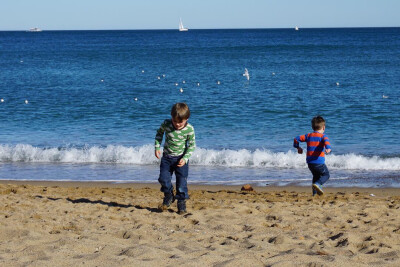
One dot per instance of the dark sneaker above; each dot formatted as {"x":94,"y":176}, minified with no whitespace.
{"x":318,"y":188}
{"x":168,"y":199}
{"x":182,"y":207}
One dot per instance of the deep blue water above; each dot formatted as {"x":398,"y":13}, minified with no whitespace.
{"x":82,"y":121}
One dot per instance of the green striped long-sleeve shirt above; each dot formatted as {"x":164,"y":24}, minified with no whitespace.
{"x":177,"y":142}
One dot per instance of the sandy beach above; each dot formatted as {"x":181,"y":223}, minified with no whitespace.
{"x":100,"y":224}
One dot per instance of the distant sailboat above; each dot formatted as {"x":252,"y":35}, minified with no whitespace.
{"x":296,"y":28}
{"x":181,"y":28}
{"x":35,"y":30}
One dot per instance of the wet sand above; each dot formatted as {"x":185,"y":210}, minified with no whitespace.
{"x":102,"y":224}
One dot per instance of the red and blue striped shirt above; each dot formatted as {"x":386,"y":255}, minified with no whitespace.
{"x":316,"y":145}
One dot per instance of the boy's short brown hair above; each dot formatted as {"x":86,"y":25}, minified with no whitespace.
{"x":317,"y":123}
{"x":180,"y":112}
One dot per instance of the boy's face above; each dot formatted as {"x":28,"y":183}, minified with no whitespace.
{"x":179,"y":125}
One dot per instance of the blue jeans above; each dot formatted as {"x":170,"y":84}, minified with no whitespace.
{"x":320,"y":174}
{"x":167,"y":167}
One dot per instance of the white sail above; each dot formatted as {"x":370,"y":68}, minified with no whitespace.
{"x":181,"y":28}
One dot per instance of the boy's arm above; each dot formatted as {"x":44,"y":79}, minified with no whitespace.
{"x":158,"y":140}
{"x":297,"y":139}
{"x":191,"y":145}
{"x":327,"y":144}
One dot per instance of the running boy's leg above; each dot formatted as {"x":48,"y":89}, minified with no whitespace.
{"x":320,"y":176}
{"x":324,"y":174}
{"x":181,"y":174}
{"x":316,"y":176}
{"x":166,"y":175}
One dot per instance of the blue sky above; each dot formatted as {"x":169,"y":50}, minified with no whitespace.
{"x":199,"y":14}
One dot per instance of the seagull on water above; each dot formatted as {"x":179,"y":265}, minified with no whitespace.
{"x":181,"y":90}
{"x":26,"y":101}
{"x":246,"y":74}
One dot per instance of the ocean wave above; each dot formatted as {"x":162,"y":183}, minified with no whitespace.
{"x":144,"y":155}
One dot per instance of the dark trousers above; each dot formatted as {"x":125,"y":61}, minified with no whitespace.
{"x":167,"y":167}
{"x":320,"y":173}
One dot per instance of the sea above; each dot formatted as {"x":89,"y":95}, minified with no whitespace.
{"x":85,"y":105}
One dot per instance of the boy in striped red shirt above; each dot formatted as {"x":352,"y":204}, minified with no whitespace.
{"x":317,"y":145}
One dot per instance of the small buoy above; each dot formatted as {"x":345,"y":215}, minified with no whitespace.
{"x":26,"y":102}
{"x":337,"y":84}
{"x":135,"y":98}
{"x":181,"y":90}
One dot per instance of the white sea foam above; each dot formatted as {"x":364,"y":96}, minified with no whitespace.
{"x":144,"y":155}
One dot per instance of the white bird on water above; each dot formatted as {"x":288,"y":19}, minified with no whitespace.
{"x":135,"y":98}
{"x":181,"y":90}
{"x":2,"y":100}
{"x":385,"y":96}
{"x":26,"y":101}
{"x":337,"y":83}
{"x":218,"y":82}
{"x":198,"y":84}
{"x":246,"y":74}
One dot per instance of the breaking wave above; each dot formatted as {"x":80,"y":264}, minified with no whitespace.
{"x":144,"y":155}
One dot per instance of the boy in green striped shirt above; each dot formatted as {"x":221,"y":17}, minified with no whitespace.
{"x":178,"y":147}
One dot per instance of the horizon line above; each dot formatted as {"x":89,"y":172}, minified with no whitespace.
{"x":175,"y":29}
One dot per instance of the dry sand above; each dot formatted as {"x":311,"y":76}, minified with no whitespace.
{"x":93,"y":224}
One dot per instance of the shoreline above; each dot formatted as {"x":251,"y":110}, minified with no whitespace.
{"x":389,"y":191}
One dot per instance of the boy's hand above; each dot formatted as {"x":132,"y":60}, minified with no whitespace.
{"x":299,"y":150}
{"x":181,"y":163}
{"x":157,"y":153}
{"x":327,"y":151}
